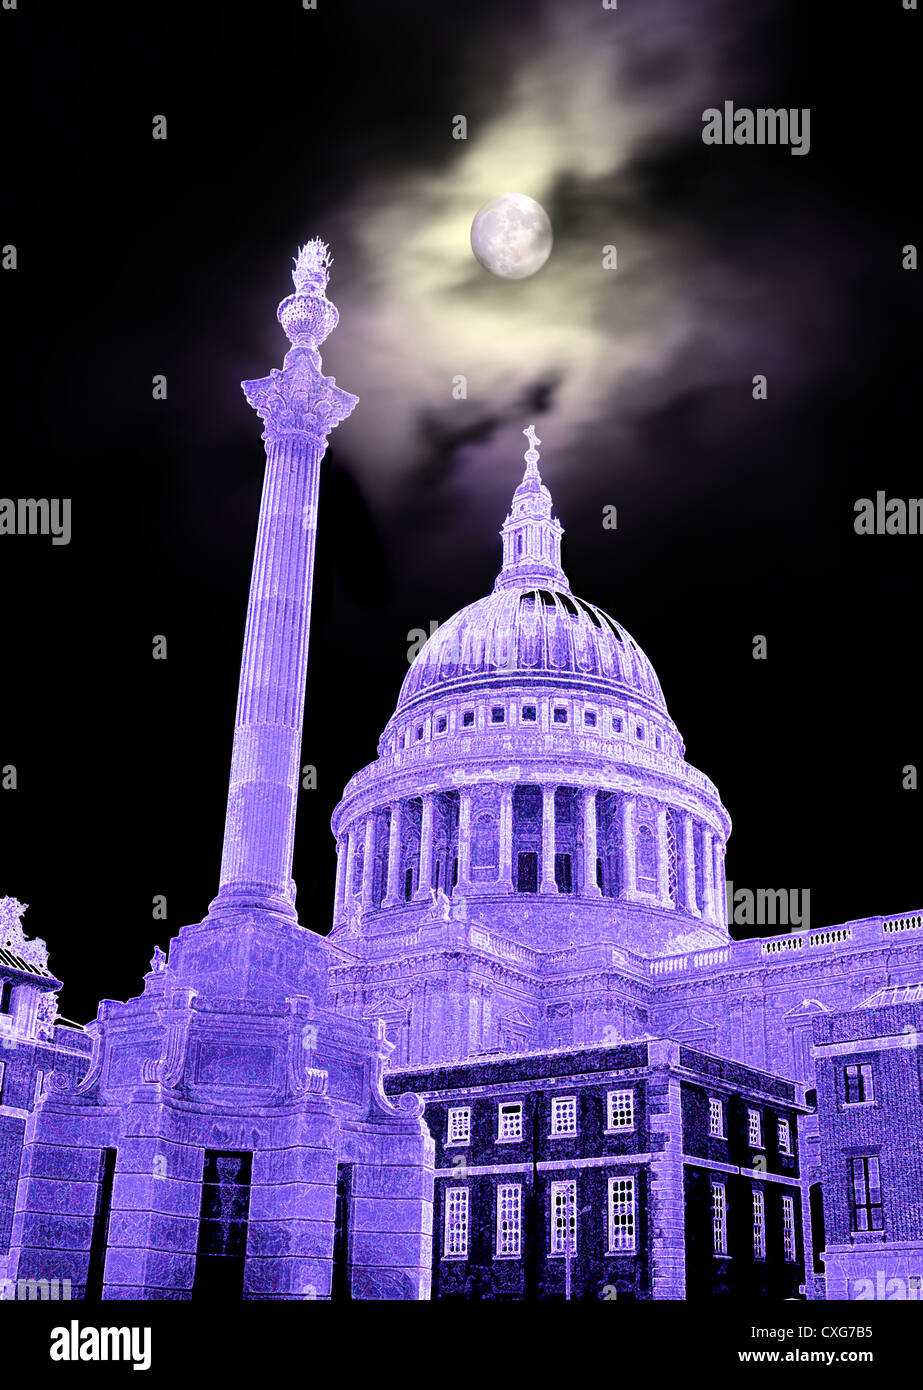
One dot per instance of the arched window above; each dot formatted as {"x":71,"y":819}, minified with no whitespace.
{"x":484,"y":843}
{"x":646,"y":859}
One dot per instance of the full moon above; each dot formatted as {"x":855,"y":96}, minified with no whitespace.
{"x":511,"y":236}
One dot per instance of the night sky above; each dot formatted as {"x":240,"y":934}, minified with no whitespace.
{"x":139,"y":257}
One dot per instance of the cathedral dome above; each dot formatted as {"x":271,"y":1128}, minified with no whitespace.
{"x":532,"y":626}
{"x":533,"y":631}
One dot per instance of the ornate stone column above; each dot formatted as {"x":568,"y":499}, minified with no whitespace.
{"x":548,"y":883}
{"x":505,"y":880}
{"x":691,"y":898}
{"x":299,"y":407}
{"x":629,"y":860}
{"x":708,"y":873}
{"x":340,"y":892}
{"x":393,"y":895}
{"x":425,"y":875}
{"x":350,"y":885}
{"x":663,"y":858}
{"x":368,"y":863}
{"x":464,"y":839}
{"x":721,"y":907}
{"x":590,"y":888}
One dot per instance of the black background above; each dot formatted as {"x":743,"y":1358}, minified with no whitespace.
{"x":137,"y":257}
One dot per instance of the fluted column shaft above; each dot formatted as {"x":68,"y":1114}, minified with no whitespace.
{"x":259,"y":833}
{"x":368,"y":862}
{"x":692,"y":904}
{"x":708,"y":874}
{"x":720,"y":886}
{"x":506,"y":838}
{"x":393,"y":895}
{"x":464,"y":839}
{"x":590,"y":886}
{"x":548,"y":883}
{"x":629,"y":849}
{"x":425,"y":875}
{"x":339,"y":896}
{"x":350,"y":886}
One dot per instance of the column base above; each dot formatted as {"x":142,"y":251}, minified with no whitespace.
{"x":546,"y":887}
{"x":234,"y":898}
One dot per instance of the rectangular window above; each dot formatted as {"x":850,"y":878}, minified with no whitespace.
{"x":560,"y":715}
{"x":859,"y":1087}
{"x":459,"y":1125}
{"x":441,"y":724}
{"x":564,"y":1115}
{"x":6,"y":996}
{"x":529,"y":714}
{"x":759,"y":1226}
{"x":785,"y":1137}
{"x":716,"y":1118}
{"x":866,"y":1195}
{"x":563,"y":1217}
{"x":620,"y":1110}
{"x":589,"y":718}
{"x":509,"y":1221}
{"x":616,"y":723}
{"x":419,"y":732}
{"x":719,"y":1218}
{"x":2,"y":1071}
{"x":622,"y":1216}
{"x":788,"y":1228}
{"x":467,"y":718}
{"x":99,"y":1239}
{"x":223,"y":1224}
{"x":639,"y":733}
{"x":456,"y":1224}
{"x":498,"y":714}
{"x":509,"y":1121}
{"x":754,"y":1129}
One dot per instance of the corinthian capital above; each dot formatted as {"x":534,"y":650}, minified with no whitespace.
{"x":299,"y":399}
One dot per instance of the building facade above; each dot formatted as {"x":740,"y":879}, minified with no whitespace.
{"x":870,"y":1113}
{"x":643,"y":1171}
{"x":35,"y":1041}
